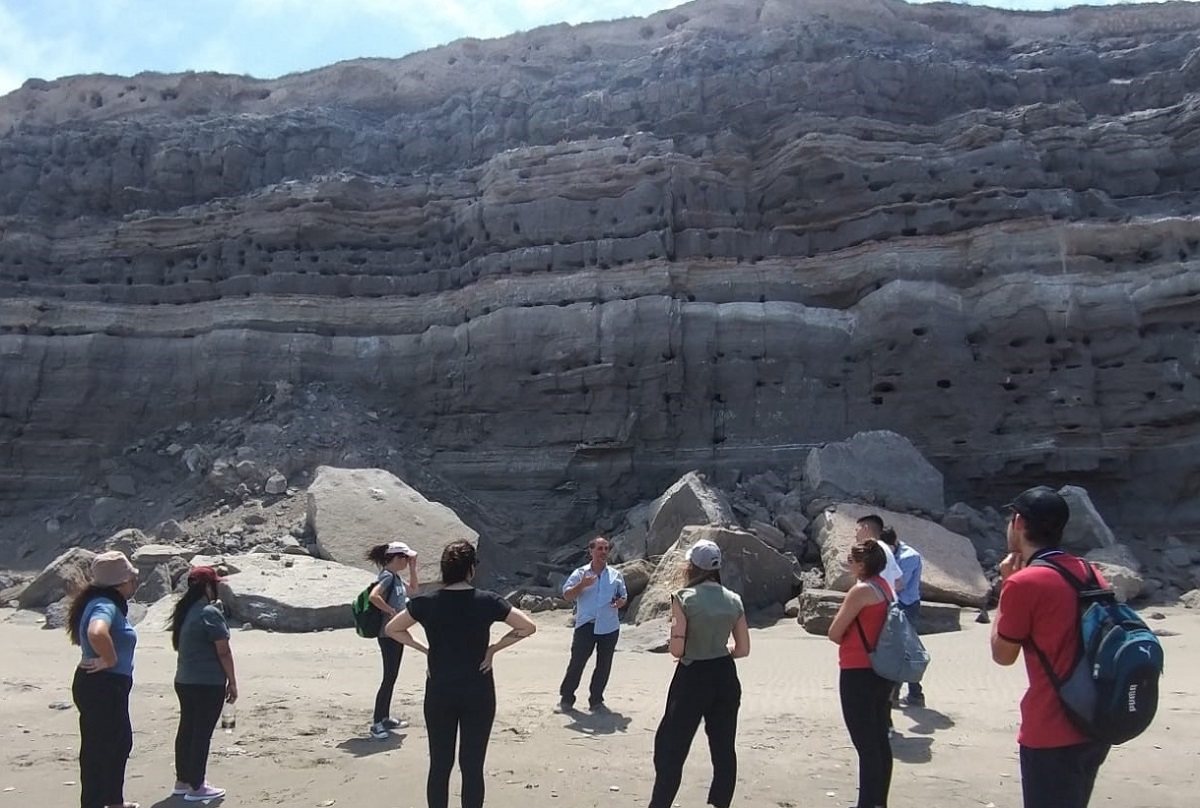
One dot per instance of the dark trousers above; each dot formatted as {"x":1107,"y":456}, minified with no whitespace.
{"x":913,"y":612}
{"x":708,"y":690}
{"x":461,"y":711}
{"x":1061,"y":777}
{"x":583,"y":643}
{"x":391,"y":652}
{"x":105,"y":736}
{"x":867,"y":713}
{"x":199,"y":711}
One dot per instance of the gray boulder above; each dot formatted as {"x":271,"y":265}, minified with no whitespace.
{"x":292,"y":593}
{"x":878,"y":466}
{"x":64,"y":576}
{"x":154,"y":585}
{"x":275,"y":484}
{"x":1121,"y":569}
{"x":349,"y":510}
{"x":128,"y":541}
{"x":818,"y":607}
{"x":1086,"y":529}
{"x":759,"y":574}
{"x":169,"y":530}
{"x":637,"y":574}
{"x":151,"y":555}
{"x":950,"y":572}
{"x":56,"y":614}
{"x":690,"y":501}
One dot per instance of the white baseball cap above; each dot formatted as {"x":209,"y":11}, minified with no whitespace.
{"x":399,"y":548}
{"x":705,"y":555}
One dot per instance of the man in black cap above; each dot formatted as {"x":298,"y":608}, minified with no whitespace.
{"x":1039,"y":612}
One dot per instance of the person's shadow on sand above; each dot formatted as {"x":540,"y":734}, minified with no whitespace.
{"x":175,"y":802}
{"x":927,"y":721}
{"x":912,"y":749}
{"x":605,"y":722}
{"x":362,"y":747}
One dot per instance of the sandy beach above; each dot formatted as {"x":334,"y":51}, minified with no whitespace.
{"x":302,"y":719}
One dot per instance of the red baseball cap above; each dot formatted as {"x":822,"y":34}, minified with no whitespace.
{"x":206,"y":575}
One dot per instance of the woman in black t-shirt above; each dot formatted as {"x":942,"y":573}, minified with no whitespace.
{"x":460,"y":693}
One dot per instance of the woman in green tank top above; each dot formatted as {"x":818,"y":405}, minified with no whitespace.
{"x":704,"y":615}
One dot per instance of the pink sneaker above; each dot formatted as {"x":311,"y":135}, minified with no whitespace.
{"x":205,"y":793}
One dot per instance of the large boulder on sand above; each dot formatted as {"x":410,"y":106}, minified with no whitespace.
{"x":818,"y":607}
{"x":761,"y":575}
{"x":1086,"y":529}
{"x":1120,"y":568}
{"x":289,"y":593}
{"x":878,"y":466}
{"x":652,"y":527}
{"x":65,"y":575}
{"x":349,"y":510}
{"x":950,"y":573}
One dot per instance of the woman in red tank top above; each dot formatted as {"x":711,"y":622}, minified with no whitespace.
{"x":865,"y":695}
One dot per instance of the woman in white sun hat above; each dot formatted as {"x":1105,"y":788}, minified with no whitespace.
{"x":704,"y":615}
{"x":390,"y":596}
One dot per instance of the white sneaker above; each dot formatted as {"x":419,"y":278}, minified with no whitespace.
{"x":392,"y":723}
{"x":205,"y":793}
{"x":380,"y":732}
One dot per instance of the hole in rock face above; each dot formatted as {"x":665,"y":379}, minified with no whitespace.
{"x":920,"y":331}
{"x":884,"y":387}
{"x":876,"y":400}
{"x":944,"y":384}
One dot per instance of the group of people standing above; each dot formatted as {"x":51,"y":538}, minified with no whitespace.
{"x":708,"y":631}
{"x":205,"y":680}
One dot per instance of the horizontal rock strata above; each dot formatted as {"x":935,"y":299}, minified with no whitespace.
{"x":579,"y":262}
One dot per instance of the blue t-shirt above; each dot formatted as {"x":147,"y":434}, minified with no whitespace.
{"x":397,"y":598}
{"x":124,"y":638}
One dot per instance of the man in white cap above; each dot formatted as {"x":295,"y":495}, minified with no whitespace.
{"x":599,"y":594}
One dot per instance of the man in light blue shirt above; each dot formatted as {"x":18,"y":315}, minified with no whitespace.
{"x":599,"y":593}
{"x":908,"y":594}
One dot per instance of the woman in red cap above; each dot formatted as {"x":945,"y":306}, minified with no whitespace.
{"x":204,"y":681}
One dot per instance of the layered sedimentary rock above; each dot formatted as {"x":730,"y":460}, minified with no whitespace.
{"x":579,"y":262}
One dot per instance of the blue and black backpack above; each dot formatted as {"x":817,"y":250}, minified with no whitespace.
{"x":1111,"y":692}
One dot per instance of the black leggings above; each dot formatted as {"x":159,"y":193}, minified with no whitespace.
{"x":866,"y":709}
{"x":709,"y":690}
{"x":392,"y":652}
{"x":199,"y":711}
{"x":452,"y":707}
{"x":105,"y":736}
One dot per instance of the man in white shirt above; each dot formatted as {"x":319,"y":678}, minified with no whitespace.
{"x":599,"y":594}
{"x":871,"y":527}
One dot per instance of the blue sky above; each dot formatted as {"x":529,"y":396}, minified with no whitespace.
{"x":268,"y":38}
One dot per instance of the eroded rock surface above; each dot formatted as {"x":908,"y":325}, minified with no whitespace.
{"x":581,"y":261}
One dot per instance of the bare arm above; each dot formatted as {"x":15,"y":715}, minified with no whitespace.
{"x":225,"y":657}
{"x":414,"y":584}
{"x":1003,"y":651}
{"x":859,"y":596}
{"x":380,"y":602}
{"x":397,"y":628}
{"x":741,"y":639}
{"x":521,"y":626}
{"x":101,"y":641}
{"x":678,"y":642}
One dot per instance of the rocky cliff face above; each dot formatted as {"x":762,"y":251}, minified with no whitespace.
{"x":582,"y":260}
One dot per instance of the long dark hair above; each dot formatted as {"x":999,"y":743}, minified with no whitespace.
{"x":870,"y":554}
{"x":195,"y":592}
{"x":459,"y":560}
{"x":75,"y":613}
{"x":697,"y":576}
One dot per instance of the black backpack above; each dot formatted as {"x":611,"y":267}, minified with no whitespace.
{"x":1111,"y":692}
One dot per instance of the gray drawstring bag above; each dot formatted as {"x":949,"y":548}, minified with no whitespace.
{"x":898,"y":655}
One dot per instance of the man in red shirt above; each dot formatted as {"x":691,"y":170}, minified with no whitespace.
{"x":1038,"y":608}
